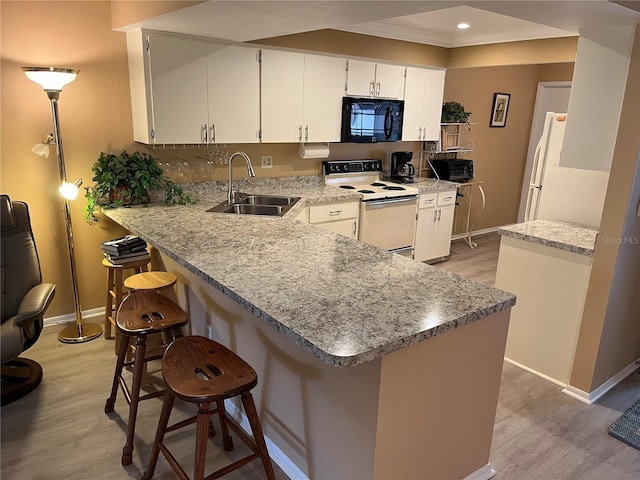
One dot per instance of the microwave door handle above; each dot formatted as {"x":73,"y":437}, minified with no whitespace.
{"x":388,"y":123}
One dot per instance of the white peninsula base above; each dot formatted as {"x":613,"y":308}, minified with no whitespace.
{"x":426,"y":411}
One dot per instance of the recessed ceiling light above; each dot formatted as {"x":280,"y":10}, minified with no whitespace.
{"x":463,"y":26}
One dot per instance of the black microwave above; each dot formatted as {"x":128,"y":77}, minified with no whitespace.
{"x":369,"y":120}
{"x":454,"y":170}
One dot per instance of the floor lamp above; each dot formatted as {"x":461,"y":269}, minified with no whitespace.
{"x":52,"y":80}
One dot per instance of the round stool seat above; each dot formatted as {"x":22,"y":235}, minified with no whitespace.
{"x":197,"y":369}
{"x":123,"y":266}
{"x":143,"y":313}
{"x":150,"y":281}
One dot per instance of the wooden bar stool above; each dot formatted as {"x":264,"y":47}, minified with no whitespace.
{"x":150,"y":281}
{"x":199,"y":370}
{"x":115,"y":292}
{"x":141,"y":314}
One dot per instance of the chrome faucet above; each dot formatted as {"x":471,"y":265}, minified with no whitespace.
{"x":231,"y":192}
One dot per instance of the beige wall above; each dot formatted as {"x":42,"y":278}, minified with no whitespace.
{"x":609,"y":339}
{"x":500,"y":153}
{"x":94,"y":116}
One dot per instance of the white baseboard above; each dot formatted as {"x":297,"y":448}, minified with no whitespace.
{"x":593,"y":396}
{"x":277,"y":455}
{"x":585,"y":397}
{"x":535,"y":372}
{"x":484,"y":473}
{"x":71,"y":317}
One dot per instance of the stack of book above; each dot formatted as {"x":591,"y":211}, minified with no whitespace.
{"x":125,"y":250}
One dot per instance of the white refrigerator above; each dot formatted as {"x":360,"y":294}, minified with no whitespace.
{"x":556,"y":192}
{"x":546,"y":160}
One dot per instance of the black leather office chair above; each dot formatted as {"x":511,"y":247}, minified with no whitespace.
{"x":24,"y":300}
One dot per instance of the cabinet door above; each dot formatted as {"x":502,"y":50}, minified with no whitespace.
{"x":412,"y":125}
{"x":348,"y":227}
{"x":389,"y":81}
{"x":178,"y":86}
{"x":282,"y":94}
{"x":233,"y":118}
{"x":425,"y":234}
{"x":434,"y":93}
{"x":444,"y":226}
{"x":361,"y":78}
{"x":324,"y":85}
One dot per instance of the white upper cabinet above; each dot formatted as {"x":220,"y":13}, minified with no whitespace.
{"x":424,"y":89}
{"x":180,"y":90}
{"x":324,"y":85}
{"x":234,"y":94}
{"x":168,"y":77}
{"x":369,"y":79}
{"x":301,"y":97}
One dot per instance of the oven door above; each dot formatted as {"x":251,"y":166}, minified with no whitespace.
{"x":389,"y":223}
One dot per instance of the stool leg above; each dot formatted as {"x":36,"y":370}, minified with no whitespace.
{"x":122,"y":353}
{"x":135,"y":396}
{"x":117,"y":292}
{"x":108,"y":304}
{"x":167,"y":406}
{"x":258,"y":435}
{"x":201,"y":441}
{"x":227,"y":441}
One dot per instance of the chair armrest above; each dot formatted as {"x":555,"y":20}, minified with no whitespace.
{"x":34,"y":304}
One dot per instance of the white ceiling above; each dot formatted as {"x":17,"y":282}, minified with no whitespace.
{"x":429,"y":22}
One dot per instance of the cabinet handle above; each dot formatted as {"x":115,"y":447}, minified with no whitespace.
{"x":378,"y":91}
{"x":300,"y":133}
{"x":204,"y":131}
{"x":439,"y":213}
{"x":372,"y":91}
{"x":306,"y":133}
{"x":335,"y":212}
{"x":420,"y":133}
{"x":355,"y":224}
{"x":213,"y":134}
{"x":435,"y":215}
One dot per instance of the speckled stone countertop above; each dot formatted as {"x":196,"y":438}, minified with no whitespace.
{"x":294,"y":276}
{"x":565,"y":236}
{"x":426,"y":185}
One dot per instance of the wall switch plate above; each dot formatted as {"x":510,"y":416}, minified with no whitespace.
{"x":266,"y":161}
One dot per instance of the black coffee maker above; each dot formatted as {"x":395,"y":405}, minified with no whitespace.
{"x":402,"y":171}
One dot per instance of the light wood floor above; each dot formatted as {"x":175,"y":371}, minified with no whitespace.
{"x":60,"y":431}
{"x":540,"y":432}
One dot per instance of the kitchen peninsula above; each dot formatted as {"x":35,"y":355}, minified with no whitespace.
{"x":370,"y":365}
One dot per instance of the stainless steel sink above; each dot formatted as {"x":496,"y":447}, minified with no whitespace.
{"x":270,"y":205}
{"x":267,"y":200}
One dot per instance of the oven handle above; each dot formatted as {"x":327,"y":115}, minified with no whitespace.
{"x":386,"y":201}
{"x":401,"y":250}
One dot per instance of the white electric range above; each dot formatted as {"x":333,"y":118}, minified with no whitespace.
{"x":388,"y":210}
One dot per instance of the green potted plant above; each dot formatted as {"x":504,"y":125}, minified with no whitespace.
{"x":454,"y":112}
{"x":127,"y":179}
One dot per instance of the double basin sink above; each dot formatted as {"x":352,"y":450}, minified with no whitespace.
{"x":246,"y":204}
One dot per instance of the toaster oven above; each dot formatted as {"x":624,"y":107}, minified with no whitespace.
{"x":454,"y":170}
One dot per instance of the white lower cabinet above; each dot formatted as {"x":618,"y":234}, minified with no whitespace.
{"x":434,"y":225}
{"x":338,"y":217}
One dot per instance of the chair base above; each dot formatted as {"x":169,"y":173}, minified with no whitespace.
{"x":20,"y":376}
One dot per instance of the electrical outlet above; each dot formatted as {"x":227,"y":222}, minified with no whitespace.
{"x":266,"y":161}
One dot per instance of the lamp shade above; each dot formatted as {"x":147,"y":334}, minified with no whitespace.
{"x":50,"y":78}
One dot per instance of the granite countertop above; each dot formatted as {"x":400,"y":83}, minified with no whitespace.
{"x":294,"y":276}
{"x":426,"y":185}
{"x":562,"y":235}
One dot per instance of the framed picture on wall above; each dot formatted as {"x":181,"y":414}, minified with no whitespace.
{"x":500,"y":109}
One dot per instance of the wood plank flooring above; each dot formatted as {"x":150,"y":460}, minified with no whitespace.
{"x":60,"y":431}
{"x":540,"y":432}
